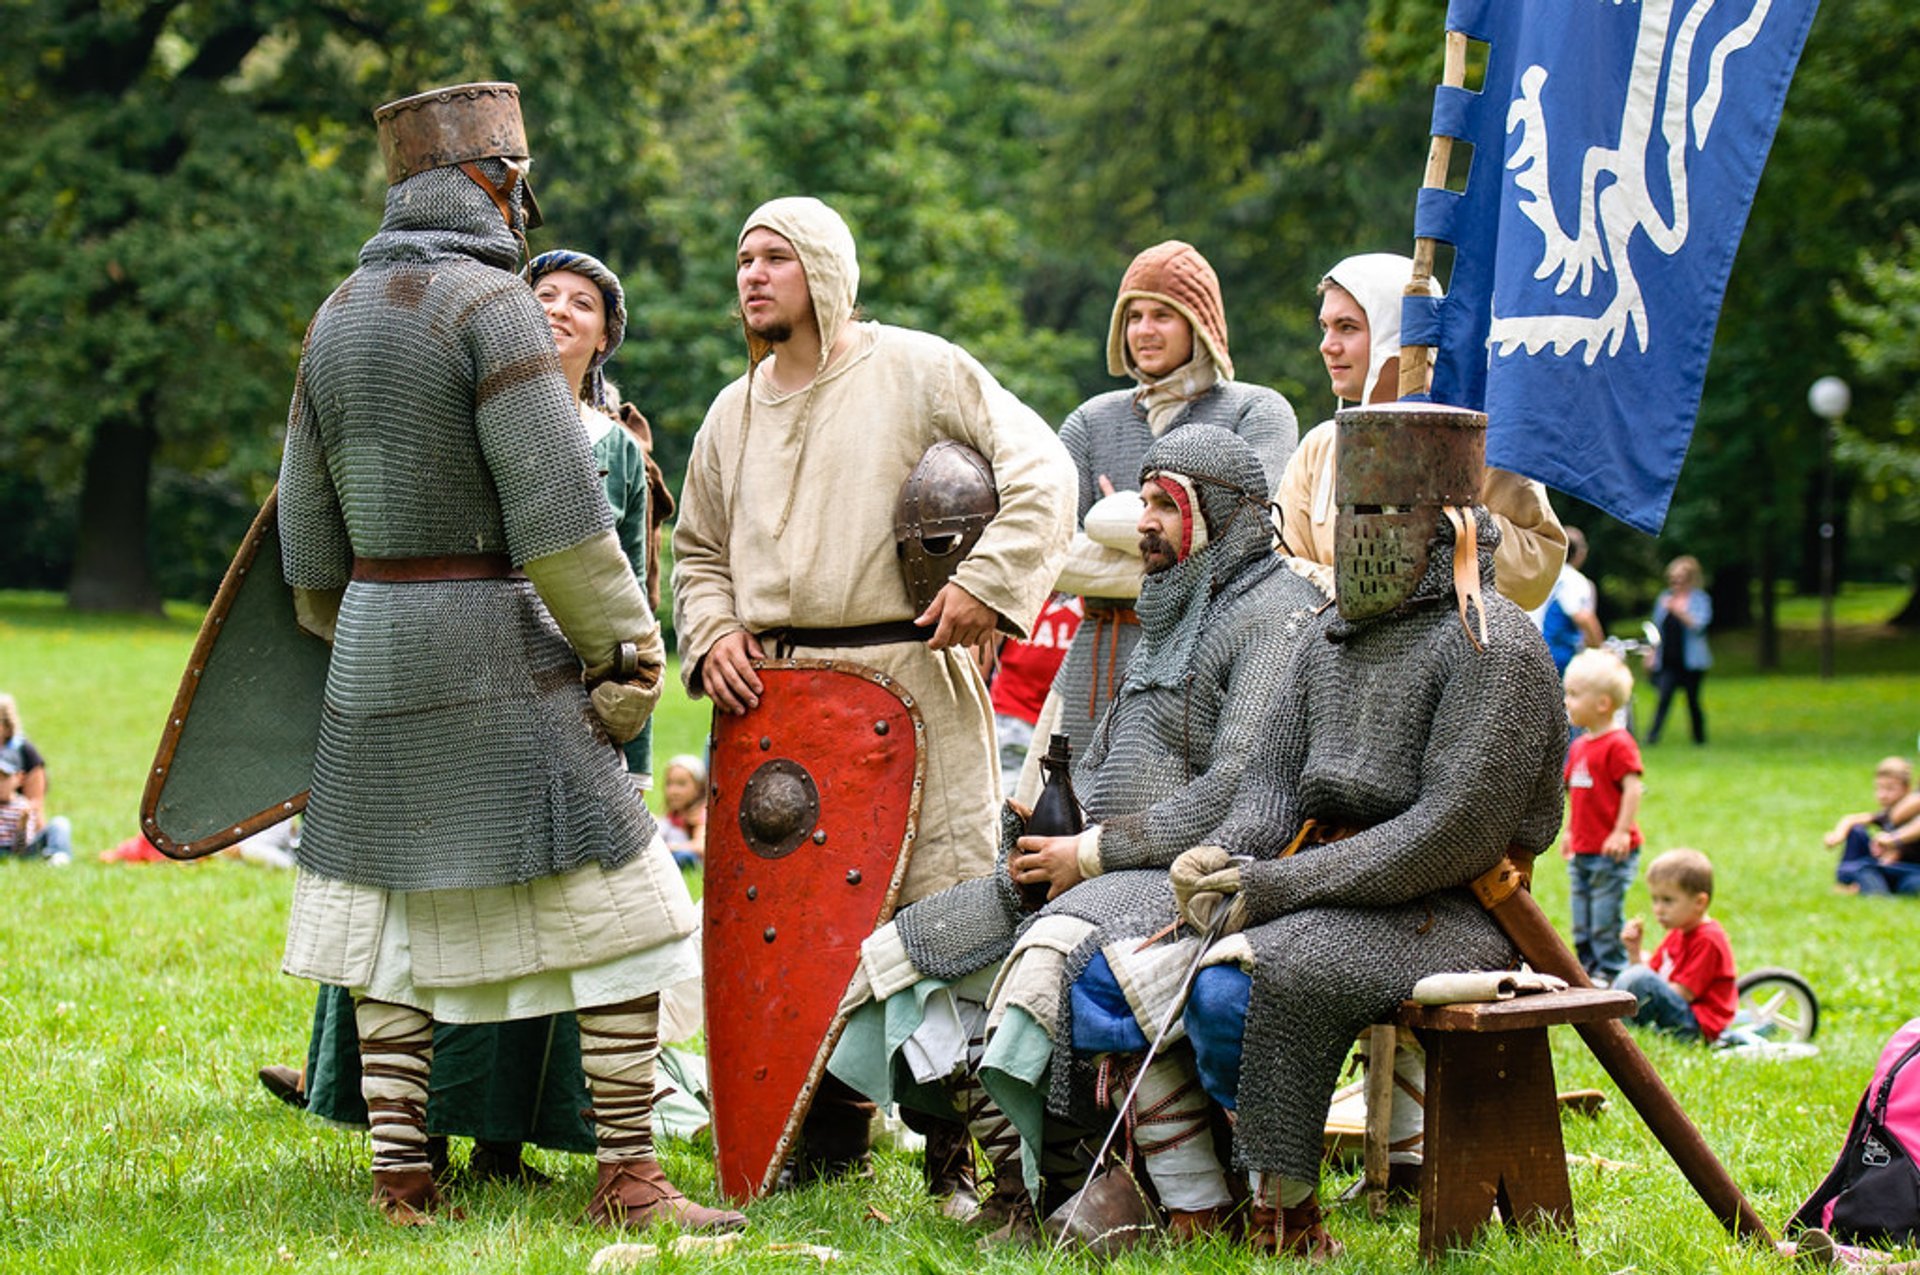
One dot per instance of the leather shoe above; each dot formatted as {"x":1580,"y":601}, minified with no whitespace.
{"x":408,"y":1197}
{"x":1295,"y":1232}
{"x":1108,"y":1216}
{"x":286,"y":1084}
{"x":636,"y":1194}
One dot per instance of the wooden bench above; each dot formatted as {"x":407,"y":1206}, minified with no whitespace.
{"x":1492,"y":1114}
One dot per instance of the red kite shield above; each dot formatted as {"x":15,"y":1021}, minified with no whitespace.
{"x":811,"y":821}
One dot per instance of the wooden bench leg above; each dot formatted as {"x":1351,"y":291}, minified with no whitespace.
{"x":1381,"y":1042}
{"x":1493,"y":1138}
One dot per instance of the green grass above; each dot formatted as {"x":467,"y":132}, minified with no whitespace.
{"x":137,"y":1002}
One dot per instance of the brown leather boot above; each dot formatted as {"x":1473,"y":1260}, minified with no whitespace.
{"x":409,"y":1198}
{"x":1108,"y":1216}
{"x":636,"y":1194}
{"x":1190,"y":1227}
{"x":1295,"y":1232}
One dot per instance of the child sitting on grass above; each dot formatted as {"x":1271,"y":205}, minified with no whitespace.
{"x":17,"y":825}
{"x":1867,"y":836}
{"x":1688,"y":988}
{"x":1602,"y":843}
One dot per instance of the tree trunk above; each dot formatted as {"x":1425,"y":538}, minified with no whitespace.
{"x":110,"y":567}
{"x":1769,"y":645}
{"x":1908,"y":617}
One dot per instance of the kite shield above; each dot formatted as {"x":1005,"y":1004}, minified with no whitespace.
{"x":810,"y":827}
{"x":237,"y":752}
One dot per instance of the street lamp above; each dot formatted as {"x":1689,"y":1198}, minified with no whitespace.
{"x":1829,"y":397}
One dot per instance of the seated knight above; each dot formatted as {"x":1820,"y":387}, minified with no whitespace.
{"x":1220,"y":613}
{"x":1412,"y":747}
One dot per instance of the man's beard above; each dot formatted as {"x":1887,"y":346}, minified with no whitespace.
{"x":1158,"y":554}
{"x":774,"y":332}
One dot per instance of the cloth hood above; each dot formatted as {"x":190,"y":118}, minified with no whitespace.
{"x":1175,"y":273}
{"x":825,"y":247}
{"x":1377,"y":281}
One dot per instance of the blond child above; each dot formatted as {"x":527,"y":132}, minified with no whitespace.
{"x":683,"y":789}
{"x":1602,"y":843}
{"x":1875,"y":836}
{"x":1687,"y":989}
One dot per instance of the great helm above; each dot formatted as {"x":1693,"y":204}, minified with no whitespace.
{"x":454,"y":126}
{"x":1398,"y":467}
{"x":946,"y":502}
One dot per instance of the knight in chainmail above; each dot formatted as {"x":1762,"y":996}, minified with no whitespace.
{"x":1169,"y":334}
{"x":443,"y":526}
{"x":1409,"y":751}
{"x":1220,"y":613}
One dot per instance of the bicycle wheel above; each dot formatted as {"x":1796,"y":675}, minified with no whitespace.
{"x":1777,"y":1005}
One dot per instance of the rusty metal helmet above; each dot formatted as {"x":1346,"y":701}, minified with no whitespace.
{"x":454,"y":126}
{"x":1397,"y":468}
{"x":946,"y":502}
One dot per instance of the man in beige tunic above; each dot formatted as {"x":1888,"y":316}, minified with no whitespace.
{"x":787,"y":529}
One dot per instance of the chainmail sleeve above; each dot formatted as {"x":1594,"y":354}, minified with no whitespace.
{"x":528,"y":425}
{"x":1484,"y":732}
{"x":315,"y":552}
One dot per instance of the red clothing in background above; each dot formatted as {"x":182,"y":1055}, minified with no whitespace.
{"x":1701,"y":960}
{"x":1596,"y":764}
{"x":1027,"y":668}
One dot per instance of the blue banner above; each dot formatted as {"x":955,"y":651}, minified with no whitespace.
{"x":1616,"y":149}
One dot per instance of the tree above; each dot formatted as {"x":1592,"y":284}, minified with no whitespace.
{"x":185,"y":181}
{"x":1882,"y":441}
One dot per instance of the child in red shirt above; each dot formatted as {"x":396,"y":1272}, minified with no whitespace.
{"x":1688,"y":987}
{"x":1602,"y":845}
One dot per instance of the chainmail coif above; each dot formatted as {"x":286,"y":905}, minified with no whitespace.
{"x":1109,"y":436}
{"x":430,"y":417}
{"x":1443,"y":757}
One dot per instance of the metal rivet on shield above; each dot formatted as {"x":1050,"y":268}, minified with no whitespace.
{"x":765,"y":743}
{"x":853,"y":876}
{"x":753,"y":892}
{"x":769,"y":935}
{"x":880,"y":728}
{"x":819,"y":836}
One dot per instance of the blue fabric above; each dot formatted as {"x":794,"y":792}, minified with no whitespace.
{"x":1597,"y":896}
{"x":1563,"y":636}
{"x":1216,"y":1020}
{"x":1695,"y":653}
{"x":1582,"y":303}
{"x":1661,"y":1007}
{"x":1103,"y":1022}
{"x":1888,"y":878}
{"x":1857,"y":854}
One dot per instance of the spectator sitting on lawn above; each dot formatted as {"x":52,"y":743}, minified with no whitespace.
{"x":17,"y":824}
{"x":52,"y":839}
{"x":1687,"y":990}
{"x":1861,"y":834}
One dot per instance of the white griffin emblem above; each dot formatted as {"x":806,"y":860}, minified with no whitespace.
{"x":1615,"y":202}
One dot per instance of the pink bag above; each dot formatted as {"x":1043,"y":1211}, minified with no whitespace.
{"x":1873,"y":1193}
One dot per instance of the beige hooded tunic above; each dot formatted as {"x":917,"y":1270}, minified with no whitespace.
{"x":786,"y":520}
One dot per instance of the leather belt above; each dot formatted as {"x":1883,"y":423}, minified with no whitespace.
{"x":451,"y":566}
{"x":885,"y":633}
